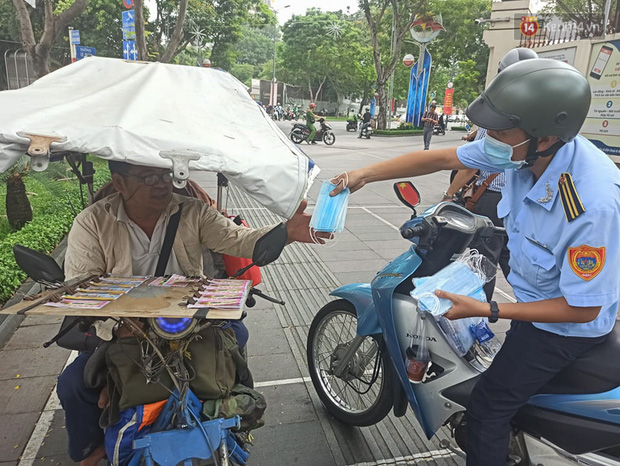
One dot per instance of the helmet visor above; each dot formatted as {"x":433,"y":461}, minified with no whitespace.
{"x":483,"y":114}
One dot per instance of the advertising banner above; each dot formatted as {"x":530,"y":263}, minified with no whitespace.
{"x":447,"y":101}
{"x":602,"y":125}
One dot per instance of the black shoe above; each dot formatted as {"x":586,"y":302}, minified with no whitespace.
{"x":359,"y":137}
{"x":313,"y":142}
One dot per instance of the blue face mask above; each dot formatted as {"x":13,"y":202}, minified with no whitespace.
{"x":455,"y":278}
{"x":330,"y":211}
{"x":500,"y":153}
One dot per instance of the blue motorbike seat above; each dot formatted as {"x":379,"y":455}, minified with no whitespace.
{"x":596,"y":371}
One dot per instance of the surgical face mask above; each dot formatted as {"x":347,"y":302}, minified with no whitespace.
{"x":500,"y":153}
{"x":330,"y":211}
{"x":455,"y":278}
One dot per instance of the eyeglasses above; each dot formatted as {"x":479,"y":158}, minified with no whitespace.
{"x":152,"y":180}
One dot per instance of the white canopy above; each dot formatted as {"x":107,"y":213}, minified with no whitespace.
{"x":143,"y":112}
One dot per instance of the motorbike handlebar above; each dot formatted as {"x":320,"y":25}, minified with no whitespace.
{"x":251,"y":302}
{"x":418,"y":230}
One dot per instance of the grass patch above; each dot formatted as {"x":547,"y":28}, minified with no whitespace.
{"x":55,"y":198}
{"x":458,"y":128}
{"x":397,"y":132}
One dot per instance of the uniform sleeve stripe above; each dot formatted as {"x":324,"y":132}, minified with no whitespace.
{"x":574,"y":196}
{"x":571,"y":202}
{"x":568,"y":212}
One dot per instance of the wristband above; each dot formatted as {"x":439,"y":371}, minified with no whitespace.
{"x":494,"y":312}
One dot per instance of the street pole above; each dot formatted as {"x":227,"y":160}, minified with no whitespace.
{"x":391,"y":89}
{"x":274,"y":90}
{"x":72,"y":46}
{"x":273,"y":98}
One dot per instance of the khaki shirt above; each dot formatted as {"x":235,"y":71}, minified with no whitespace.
{"x":99,"y":243}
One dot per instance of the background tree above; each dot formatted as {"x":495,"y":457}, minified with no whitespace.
{"x":325,"y":52}
{"x":219,"y":23}
{"x":400,"y":15}
{"x":588,"y":15}
{"x":100,"y":26}
{"x":307,"y":48}
{"x":48,"y":26}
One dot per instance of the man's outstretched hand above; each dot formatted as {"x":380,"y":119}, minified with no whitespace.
{"x":298,"y":227}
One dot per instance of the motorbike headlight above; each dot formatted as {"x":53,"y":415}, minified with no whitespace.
{"x":172,"y":328}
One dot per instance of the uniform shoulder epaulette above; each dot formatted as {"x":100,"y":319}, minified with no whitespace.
{"x":571,"y":203}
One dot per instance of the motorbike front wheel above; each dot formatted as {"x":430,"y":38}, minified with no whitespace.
{"x":329,"y":138}
{"x":297,"y":136}
{"x":362,"y":395}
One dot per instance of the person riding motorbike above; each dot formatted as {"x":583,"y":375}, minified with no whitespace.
{"x":123,"y":234}
{"x":564,"y":266}
{"x":310,"y":119}
{"x":365,"y":121}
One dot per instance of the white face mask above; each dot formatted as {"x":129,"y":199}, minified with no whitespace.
{"x":500,"y":153}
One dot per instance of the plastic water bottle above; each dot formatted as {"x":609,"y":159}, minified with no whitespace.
{"x":487,"y":341}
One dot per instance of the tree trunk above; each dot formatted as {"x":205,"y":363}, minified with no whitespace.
{"x":140,"y":37}
{"x":177,"y":34}
{"x":53,"y":27}
{"x":18,"y":209}
{"x":382,"y":104}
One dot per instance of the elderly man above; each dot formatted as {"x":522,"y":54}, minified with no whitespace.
{"x":123,"y":234}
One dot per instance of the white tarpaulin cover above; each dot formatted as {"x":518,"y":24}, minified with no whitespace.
{"x":135,"y":111}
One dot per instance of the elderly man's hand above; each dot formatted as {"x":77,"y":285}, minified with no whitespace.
{"x":298,"y":227}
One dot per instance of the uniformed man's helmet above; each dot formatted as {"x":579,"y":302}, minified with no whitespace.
{"x":514,"y":56}
{"x":543,"y":97}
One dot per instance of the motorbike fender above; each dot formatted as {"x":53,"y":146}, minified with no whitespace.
{"x":360,"y":295}
{"x":383,"y":286}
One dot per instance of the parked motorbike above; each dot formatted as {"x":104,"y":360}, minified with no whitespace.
{"x":301,"y":132}
{"x":357,"y":351}
{"x":366,"y":130}
{"x":439,"y":129}
{"x":181,"y":433}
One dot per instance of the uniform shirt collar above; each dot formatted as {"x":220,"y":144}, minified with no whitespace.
{"x":559,"y":164}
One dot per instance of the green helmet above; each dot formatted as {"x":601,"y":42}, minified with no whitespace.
{"x":543,"y":97}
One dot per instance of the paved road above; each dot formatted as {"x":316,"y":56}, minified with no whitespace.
{"x":298,"y":431}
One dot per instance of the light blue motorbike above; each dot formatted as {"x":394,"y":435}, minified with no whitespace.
{"x":357,"y":356}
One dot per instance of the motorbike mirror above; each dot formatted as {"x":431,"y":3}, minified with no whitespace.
{"x":407,"y":193}
{"x":38,"y":266}
{"x":268,"y":248}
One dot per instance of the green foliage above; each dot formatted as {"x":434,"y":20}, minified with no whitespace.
{"x":100,"y":26}
{"x":244,"y":72}
{"x":9,"y":27}
{"x":255,"y":46}
{"x":223,"y":24}
{"x":323,"y":49}
{"x":398,"y":132}
{"x":462,"y":38}
{"x":55,"y":204}
{"x":586,"y":18}
{"x":466,"y":83}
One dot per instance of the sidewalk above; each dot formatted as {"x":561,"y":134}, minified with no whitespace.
{"x":298,"y":430}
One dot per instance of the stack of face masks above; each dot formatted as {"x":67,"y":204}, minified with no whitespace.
{"x":330,"y":211}
{"x":457,"y":278}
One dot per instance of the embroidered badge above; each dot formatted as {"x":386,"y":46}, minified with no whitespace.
{"x":548,"y":194}
{"x":586,"y":261}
